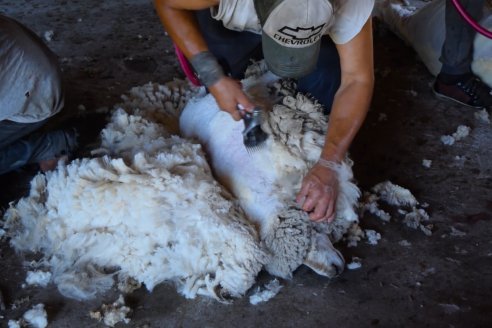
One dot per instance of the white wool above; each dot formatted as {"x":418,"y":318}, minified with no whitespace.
{"x":355,"y":264}
{"x":447,"y":140}
{"x":456,"y":233}
{"x":370,"y":204}
{"x":372,"y":236}
{"x":127,"y":284}
{"x":482,"y":115}
{"x":160,"y":103}
{"x":417,"y":219}
{"x":461,"y":132}
{"x":427,"y":163}
{"x":354,"y":235}
{"x":266,"y":182}
{"x":404,"y":10}
{"x":271,"y":289}
{"x":112,"y":313}
{"x":421,"y":24}
{"x":19,"y":302}
{"x":405,"y":243}
{"x":149,"y":210}
{"x":48,"y":35}
{"x":394,"y":194}
{"x":414,"y":217}
{"x":14,"y":324}
{"x":39,"y":278}
{"x":36,"y":317}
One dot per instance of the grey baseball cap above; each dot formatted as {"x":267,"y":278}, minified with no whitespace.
{"x":291,"y":33}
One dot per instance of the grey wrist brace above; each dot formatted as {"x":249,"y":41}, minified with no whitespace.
{"x":207,"y":68}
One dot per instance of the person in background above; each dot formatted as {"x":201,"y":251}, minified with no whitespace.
{"x":30,"y":94}
{"x":456,"y":80}
{"x":326,"y":45}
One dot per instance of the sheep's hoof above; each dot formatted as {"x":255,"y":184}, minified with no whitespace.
{"x":222,"y":294}
{"x":323,"y":258}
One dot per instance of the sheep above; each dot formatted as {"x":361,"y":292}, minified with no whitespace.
{"x":151,"y":208}
{"x":265,"y":182}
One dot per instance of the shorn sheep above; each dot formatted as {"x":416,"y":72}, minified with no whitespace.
{"x":266,"y":181}
{"x":149,"y":207}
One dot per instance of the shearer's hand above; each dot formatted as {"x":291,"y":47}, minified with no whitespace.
{"x":318,"y":194}
{"x":230,"y":96}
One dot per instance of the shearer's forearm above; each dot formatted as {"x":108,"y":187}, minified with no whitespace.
{"x":179,"y":21}
{"x":349,"y":110}
{"x":353,"y":98}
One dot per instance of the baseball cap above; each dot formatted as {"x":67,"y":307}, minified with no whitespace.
{"x":291,"y":33}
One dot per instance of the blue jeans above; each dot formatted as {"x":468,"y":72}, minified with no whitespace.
{"x":20,"y":144}
{"x":457,"y":51}
{"x":234,"y":50}
{"x":16,"y":148}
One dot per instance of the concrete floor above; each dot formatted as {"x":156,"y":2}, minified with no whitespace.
{"x":443,"y":280}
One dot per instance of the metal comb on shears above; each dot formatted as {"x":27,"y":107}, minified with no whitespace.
{"x":253,"y":135}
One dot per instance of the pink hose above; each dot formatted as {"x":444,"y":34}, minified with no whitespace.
{"x":479,"y":28}
{"x":186,"y":67}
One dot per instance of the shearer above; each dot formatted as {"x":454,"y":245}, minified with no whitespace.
{"x":326,"y":45}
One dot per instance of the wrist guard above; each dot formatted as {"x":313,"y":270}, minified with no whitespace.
{"x":207,"y":68}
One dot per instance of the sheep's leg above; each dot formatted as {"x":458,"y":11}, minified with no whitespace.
{"x":323,"y":258}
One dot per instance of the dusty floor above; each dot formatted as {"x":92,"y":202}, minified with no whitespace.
{"x":443,"y":280}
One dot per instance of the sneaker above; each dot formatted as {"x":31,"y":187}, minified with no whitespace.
{"x":471,"y":92}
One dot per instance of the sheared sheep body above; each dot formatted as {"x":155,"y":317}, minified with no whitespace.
{"x":266,"y":181}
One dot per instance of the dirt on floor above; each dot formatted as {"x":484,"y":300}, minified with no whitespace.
{"x":409,"y":279}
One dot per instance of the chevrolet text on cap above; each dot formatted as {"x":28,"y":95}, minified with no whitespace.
{"x":298,"y":24}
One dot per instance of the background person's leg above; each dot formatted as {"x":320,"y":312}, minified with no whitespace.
{"x":456,"y":80}
{"x":324,"y":82}
{"x":14,"y":151}
{"x":11,"y":132}
{"x":457,"y":51}
{"x":17,"y":150}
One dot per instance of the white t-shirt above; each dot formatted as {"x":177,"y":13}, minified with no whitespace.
{"x":350,"y":17}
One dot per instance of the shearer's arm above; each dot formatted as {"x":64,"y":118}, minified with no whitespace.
{"x":319,"y":189}
{"x":179,"y":20}
{"x":353,"y":98}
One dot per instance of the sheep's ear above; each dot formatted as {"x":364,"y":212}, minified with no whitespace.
{"x":323,"y":258}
